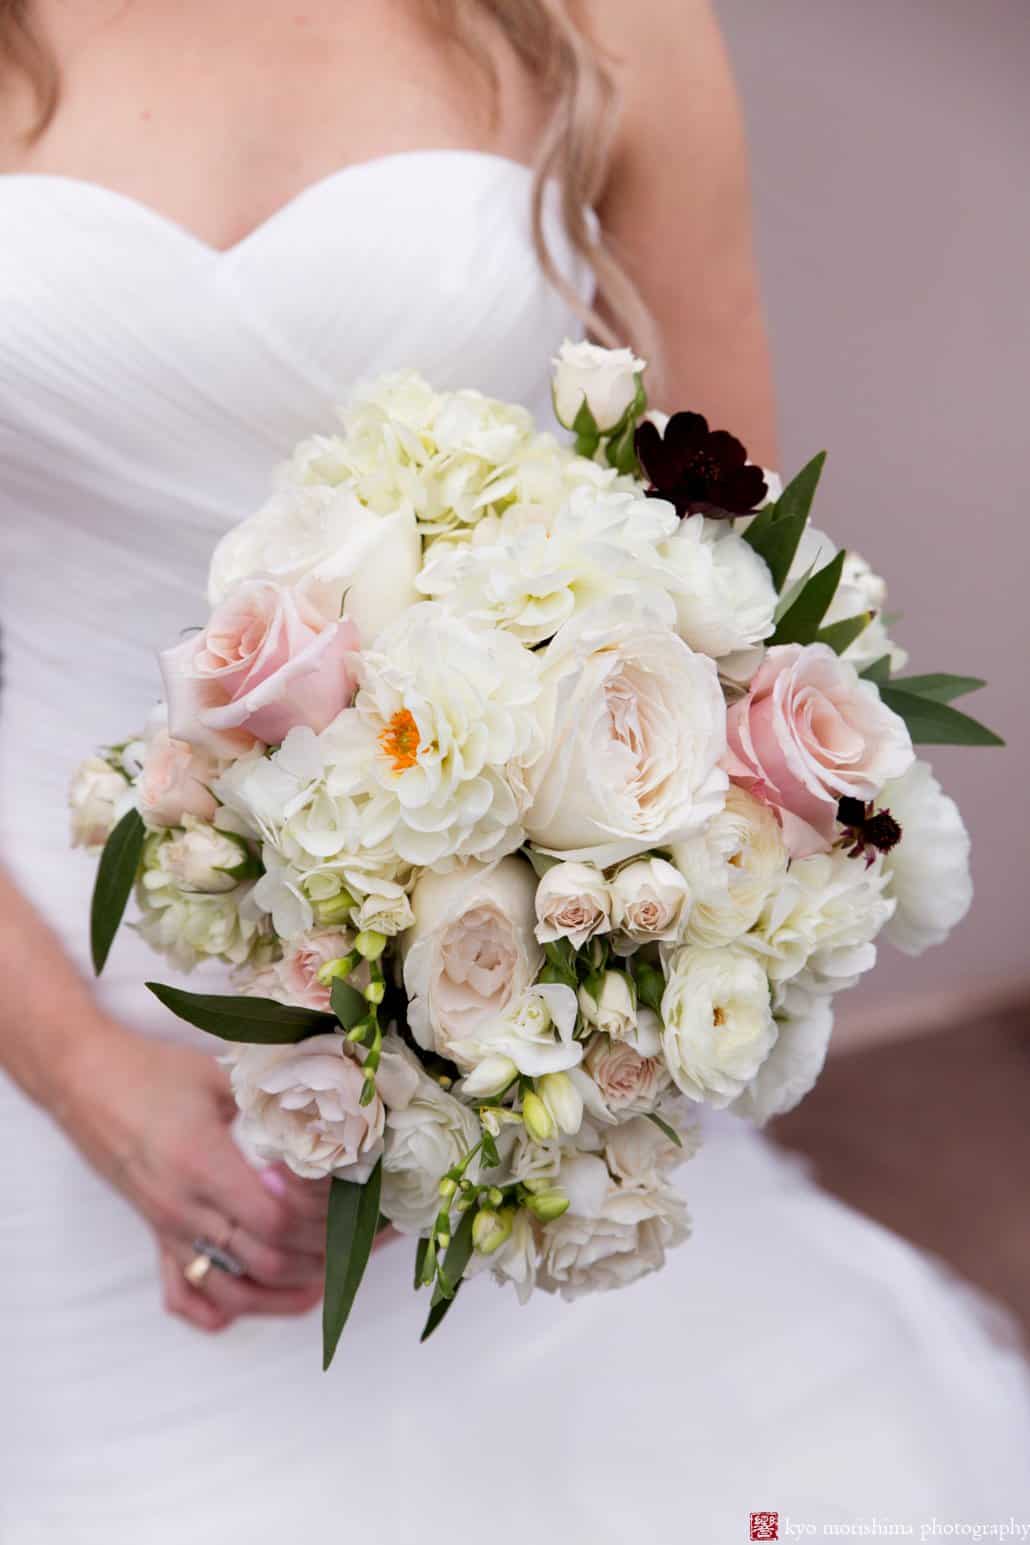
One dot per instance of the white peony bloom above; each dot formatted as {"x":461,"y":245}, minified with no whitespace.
{"x":98,"y":796}
{"x":650,"y":904}
{"x":723,"y":591}
{"x":816,"y":931}
{"x":615,"y":1081}
{"x":424,"y":1139}
{"x":860,"y":590}
{"x":928,"y":871}
{"x":605,"y":379}
{"x":470,"y":954}
{"x":326,"y":537}
{"x":436,"y":746}
{"x":803,"y":1028}
{"x":532,"y":569}
{"x":301,"y":1104}
{"x":634,"y":731}
{"x":572,"y":902}
{"x":731,"y":868}
{"x":200,"y":858}
{"x":717,"y":1018}
{"x":533,"y":1036}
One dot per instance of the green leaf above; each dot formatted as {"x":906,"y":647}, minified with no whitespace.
{"x":788,"y":597}
{"x":779,"y":546}
{"x":119,"y":863}
{"x":879,"y":671}
{"x":456,"y":1258}
{"x":541,"y":861}
{"x":800,"y":622}
{"x":348,"y":1004}
{"x":941,"y":688}
{"x":840,"y":635}
{"x":663,"y":1126}
{"x":350,"y":1234}
{"x":254,"y":1021}
{"x":776,"y":530}
{"x":798,"y":496}
{"x":421,"y":1251}
{"x":932,"y":723}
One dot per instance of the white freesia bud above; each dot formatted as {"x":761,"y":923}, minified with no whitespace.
{"x":203,"y":860}
{"x":548,"y":1205}
{"x":606,"y":379}
{"x":562,"y":1100}
{"x":539,"y":1122}
{"x":572,"y":902}
{"x":650,"y":902}
{"x":614,"y":1009}
{"x":490,"y":1230}
{"x":96,"y":791}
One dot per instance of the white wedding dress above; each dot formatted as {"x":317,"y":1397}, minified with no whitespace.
{"x":793,"y":1356}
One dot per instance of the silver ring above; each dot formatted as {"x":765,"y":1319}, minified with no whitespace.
{"x":219,"y":1257}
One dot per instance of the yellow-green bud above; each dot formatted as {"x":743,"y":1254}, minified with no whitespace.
{"x":447,"y":1188}
{"x":495,"y":1196}
{"x":375,"y":992}
{"x":537,"y":1118}
{"x":548,"y":1205}
{"x":370,"y":944}
{"x":342,"y":966}
{"x":563,"y":1100}
{"x":336,"y":909}
{"x":491,"y":1229}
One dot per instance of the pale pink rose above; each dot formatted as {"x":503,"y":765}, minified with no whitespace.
{"x":809,"y":732}
{"x":175,"y":781}
{"x":267,"y":661}
{"x":307,"y":954}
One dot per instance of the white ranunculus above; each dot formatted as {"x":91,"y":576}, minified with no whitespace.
{"x":436,"y":746}
{"x":615,"y":1081}
{"x":859,"y":590}
{"x":803,"y":1028}
{"x":572,"y":902}
{"x":724,"y":595}
{"x":605,"y":379}
{"x":533,"y":568}
{"x":326,"y":537}
{"x":650,"y":904}
{"x":95,"y":798}
{"x":731,"y":869}
{"x":470,"y":953}
{"x":301,"y":1105}
{"x":203,"y":859}
{"x":533,"y":1036}
{"x":928,"y":871}
{"x":634,"y":728}
{"x":817,"y":928}
{"x":424,"y":1139}
{"x":613,"y":1008}
{"x":717,"y":1018}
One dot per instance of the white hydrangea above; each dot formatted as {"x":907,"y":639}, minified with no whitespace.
{"x":731,"y":868}
{"x":928,"y":871}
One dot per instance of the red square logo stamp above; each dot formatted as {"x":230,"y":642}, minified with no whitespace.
{"x":765,"y":1526}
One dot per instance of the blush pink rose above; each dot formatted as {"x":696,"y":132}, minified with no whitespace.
{"x":298,"y":970}
{"x":267,"y":661}
{"x":809,"y":732}
{"x":175,"y":781}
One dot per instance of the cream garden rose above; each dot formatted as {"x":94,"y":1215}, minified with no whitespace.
{"x":572,"y":902}
{"x":426,"y":1136}
{"x":616,"y":1082}
{"x":95,"y":798}
{"x":175,"y":780}
{"x":199,"y":858}
{"x":717,"y":1023}
{"x":634,"y":730}
{"x":731,"y":868}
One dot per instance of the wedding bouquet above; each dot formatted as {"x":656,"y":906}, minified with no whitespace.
{"x":537,"y":794}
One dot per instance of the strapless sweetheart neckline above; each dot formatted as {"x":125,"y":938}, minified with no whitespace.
{"x":388,"y":162}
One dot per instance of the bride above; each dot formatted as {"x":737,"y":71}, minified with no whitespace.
{"x":215,"y":219}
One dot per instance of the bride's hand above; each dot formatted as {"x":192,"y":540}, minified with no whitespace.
{"x":154,"y":1119}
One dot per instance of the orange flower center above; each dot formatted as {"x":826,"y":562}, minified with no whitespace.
{"x":400,"y":740}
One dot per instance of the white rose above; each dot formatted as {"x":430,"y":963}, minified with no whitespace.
{"x":328,"y":538}
{"x":572,"y":902}
{"x":605,"y":379}
{"x":724,"y":595}
{"x":803,"y":1031}
{"x":718,"y":1023}
{"x":731,"y":868}
{"x":650,"y":903}
{"x":818,"y":926}
{"x":96,"y":796}
{"x":470,"y":953}
{"x":533,"y":1036}
{"x":202,"y":859}
{"x":431,"y":1133}
{"x":615,"y":1081}
{"x":634,"y":730}
{"x":928,"y":871}
{"x":301,"y":1104}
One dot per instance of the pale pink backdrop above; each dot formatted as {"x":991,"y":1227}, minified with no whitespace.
{"x":891,"y":158}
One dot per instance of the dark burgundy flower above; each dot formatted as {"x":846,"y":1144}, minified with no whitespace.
{"x":867,"y":830}
{"x":699,"y":470}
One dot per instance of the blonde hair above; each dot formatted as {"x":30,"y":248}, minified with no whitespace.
{"x":573,"y":151}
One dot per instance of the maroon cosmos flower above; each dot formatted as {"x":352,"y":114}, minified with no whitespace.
{"x":700,"y":470}
{"x":867,"y":830}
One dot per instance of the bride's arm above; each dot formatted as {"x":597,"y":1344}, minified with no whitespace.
{"x":154,"y":1120}
{"x":677,"y":208}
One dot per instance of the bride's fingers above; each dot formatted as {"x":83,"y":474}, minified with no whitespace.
{"x":233,"y":1296}
{"x":269,"y":1264}
{"x":186,"y":1302}
{"x":235,"y":1191}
